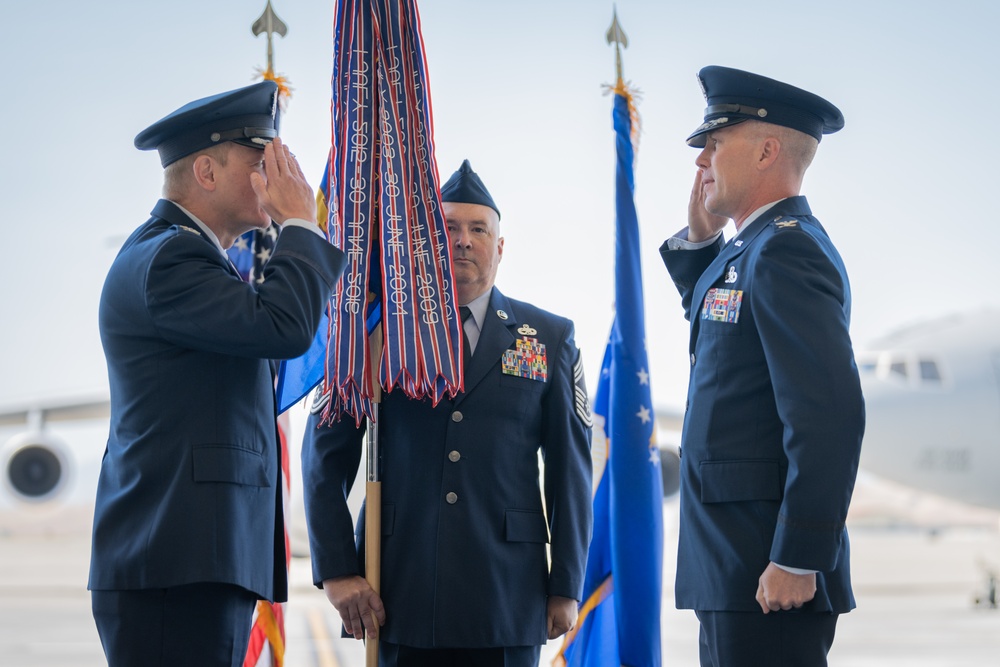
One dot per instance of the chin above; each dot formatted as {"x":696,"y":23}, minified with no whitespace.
{"x":711,"y":205}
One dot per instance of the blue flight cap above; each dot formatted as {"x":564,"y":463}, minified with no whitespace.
{"x":248,"y":116}
{"x":734,"y":96}
{"x":464,"y":187}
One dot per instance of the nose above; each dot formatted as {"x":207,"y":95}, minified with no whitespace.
{"x":461,"y":238}
{"x":702,"y":161}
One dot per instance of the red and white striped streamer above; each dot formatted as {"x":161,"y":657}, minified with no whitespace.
{"x":386,"y":215}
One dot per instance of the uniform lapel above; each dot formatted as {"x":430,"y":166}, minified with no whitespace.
{"x":734,"y":248}
{"x":494,"y":339}
{"x":168,"y":211}
{"x":717,"y":269}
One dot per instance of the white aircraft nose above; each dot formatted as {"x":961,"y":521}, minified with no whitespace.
{"x":932,"y":400}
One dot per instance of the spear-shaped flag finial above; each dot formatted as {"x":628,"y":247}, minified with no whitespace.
{"x":617,"y":37}
{"x":269,"y":23}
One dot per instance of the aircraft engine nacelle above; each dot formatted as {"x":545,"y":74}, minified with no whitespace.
{"x":670,"y":470}
{"x":36,"y":467}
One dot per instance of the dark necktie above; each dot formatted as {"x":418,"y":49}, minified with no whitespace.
{"x":466,"y":349}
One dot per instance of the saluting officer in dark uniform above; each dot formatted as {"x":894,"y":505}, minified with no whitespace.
{"x":775,"y":414}
{"x":188,"y":530}
{"x":465,"y":577}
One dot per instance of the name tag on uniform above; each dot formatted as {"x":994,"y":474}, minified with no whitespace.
{"x":722,"y":305}
{"x":526,"y":360}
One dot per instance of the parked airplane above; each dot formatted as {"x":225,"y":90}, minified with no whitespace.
{"x":669,"y":421}
{"x":39,"y":463}
{"x":50,"y":457}
{"x":932,"y":395}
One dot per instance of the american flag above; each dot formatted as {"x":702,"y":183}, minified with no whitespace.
{"x":251,"y":251}
{"x":267,"y":636}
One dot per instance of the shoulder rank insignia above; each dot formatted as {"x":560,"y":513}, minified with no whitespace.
{"x":722,"y":305}
{"x":525,"y":330}
{"x":320,"y":400}
{"x":580,"y":401}
{"x":526,"y":360}
{"x":787,"y":224}
{"x":188,"y":229}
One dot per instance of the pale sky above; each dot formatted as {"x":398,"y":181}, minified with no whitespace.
{"x":516,"y":89}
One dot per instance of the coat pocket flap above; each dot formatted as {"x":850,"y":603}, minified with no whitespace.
{"x":736,"y":481}
{"x":525,"y":526}
{"x":234,"y":465}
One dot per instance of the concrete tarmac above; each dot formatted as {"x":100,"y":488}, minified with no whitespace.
{"x":920,"y":569}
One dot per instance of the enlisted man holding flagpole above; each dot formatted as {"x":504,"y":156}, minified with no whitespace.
{"x":466,"y":580}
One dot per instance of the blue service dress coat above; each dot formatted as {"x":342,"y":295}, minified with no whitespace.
{"x":464,"y":530}
{"x":188,"y":490}
{"x":775,"y":416}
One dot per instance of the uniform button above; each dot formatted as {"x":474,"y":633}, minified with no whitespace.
{"x":454,"y":456}
{"x":456,"y":416}
{"x":452,"y":497}
{"x":692,"y":358}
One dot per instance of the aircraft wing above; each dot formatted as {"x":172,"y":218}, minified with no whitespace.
{"x":48,"y":409}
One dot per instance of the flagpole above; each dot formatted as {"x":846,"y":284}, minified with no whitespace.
{"x":376,"y":195}
{"x":373,"y":497}
{"x":619,"y":620}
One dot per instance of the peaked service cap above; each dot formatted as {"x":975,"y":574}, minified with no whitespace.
{"x":248,"y":116}
{"x":734,"y":96}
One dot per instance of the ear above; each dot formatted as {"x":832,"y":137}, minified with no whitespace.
{"x":499,"y":249}
{"x":203,"y":169}
{"x":770,"y":148}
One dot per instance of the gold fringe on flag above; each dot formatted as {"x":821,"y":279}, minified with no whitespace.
{"x":284,"y":89}
{"x":633,"y":96}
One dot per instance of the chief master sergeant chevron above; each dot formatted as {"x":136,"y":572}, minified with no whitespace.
{"x":188,"y":528}
{"x":465,"y":577}
{"x":775,"y":414}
